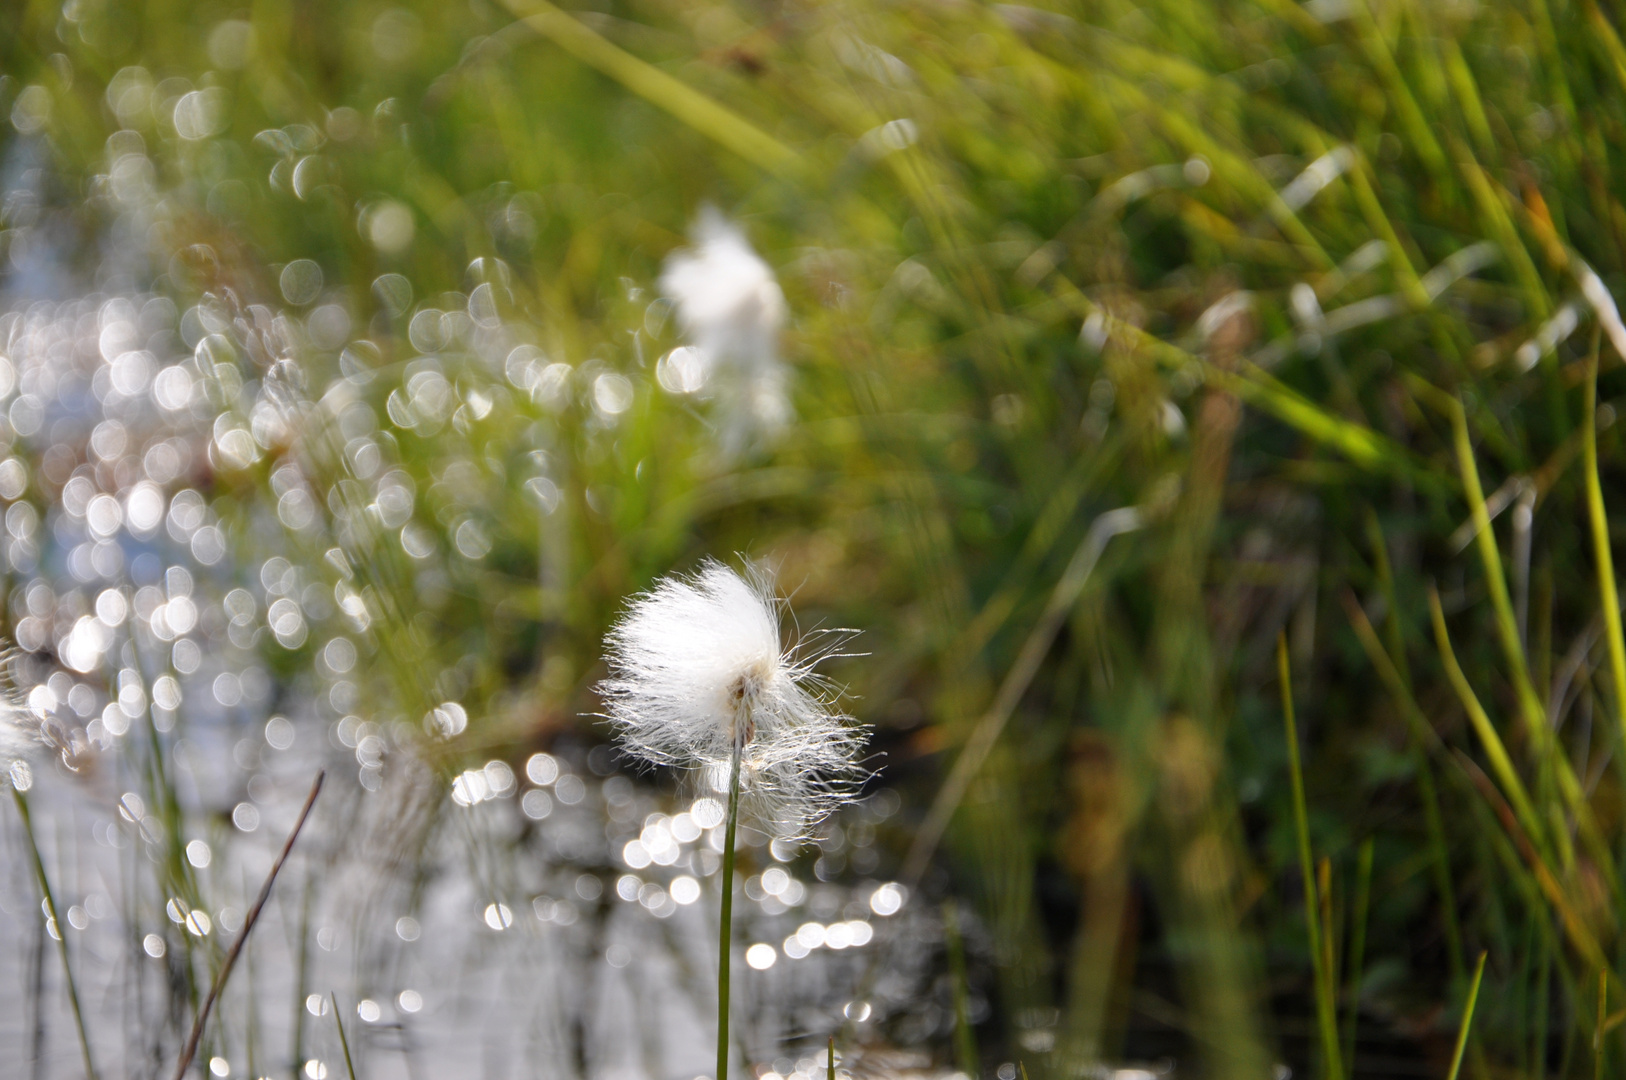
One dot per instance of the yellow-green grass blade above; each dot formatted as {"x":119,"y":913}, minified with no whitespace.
{"x":1419,"y":133}
{"x":1609,"y":595}
{"x":1356,"y":442}
{"x":1467,"y":1018}
{"x":1608,"y":40}
{"x":1507,"y":627}
{"x":1468,"y":97}
{"x":1507,"y":238}
{"x":1232,"y":168}
{"x":1404,"y":255}
{"x":1391,"y":675}
{"x":1506,"y":775}
{"x":683,"y":101}
{"x":1533,"y":712}
{"x":1253,"y":385}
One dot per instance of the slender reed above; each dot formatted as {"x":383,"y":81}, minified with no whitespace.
{"x":1326,"y":1018}
{"x":688,"y":105}
{"x":965,"y":1044}
{"x":236,"y":949}
{"x":344,"y":1043}
{"x":725,"y":929}
{"x":56,"y":925}
{"x":1599,"y":521}
{"x":1468,"y":1017}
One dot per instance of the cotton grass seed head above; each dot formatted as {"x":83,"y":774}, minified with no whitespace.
{"x":696,"y":664}
{"x":15,"y":745}
{"x":20,"y":731}
{"x":728,"y":301}
{"x":731,"y":308}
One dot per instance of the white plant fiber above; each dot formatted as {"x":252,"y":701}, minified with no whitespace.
{"x":697,"y":662}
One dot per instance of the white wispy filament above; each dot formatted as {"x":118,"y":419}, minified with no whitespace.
{"x":697,"y":663}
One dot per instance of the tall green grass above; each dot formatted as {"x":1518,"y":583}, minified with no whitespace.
{"x":1285,"y":278}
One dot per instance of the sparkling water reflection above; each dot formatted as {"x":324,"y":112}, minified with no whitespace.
{"x":504,"y":934}
{"x":193,"y":649}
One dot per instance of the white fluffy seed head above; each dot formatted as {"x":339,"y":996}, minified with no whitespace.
{"x":696,"y":663}
{"x":727,"y":298}
{"x":731,"y":308}
{"x":21,"y":736}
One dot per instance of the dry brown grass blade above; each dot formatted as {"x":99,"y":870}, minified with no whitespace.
{"x":248,"y":925}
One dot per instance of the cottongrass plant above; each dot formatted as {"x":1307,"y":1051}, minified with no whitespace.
{"x":700,"y":680}
{"x":731,"y":308}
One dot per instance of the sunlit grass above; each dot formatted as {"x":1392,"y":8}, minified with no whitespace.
{"x":1322,"y":292}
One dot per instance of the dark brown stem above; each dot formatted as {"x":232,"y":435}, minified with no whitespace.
{"x":242,"y":936}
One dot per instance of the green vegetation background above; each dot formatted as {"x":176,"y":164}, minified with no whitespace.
{"x":1268,"y":272}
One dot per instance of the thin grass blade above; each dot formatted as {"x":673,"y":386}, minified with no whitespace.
{"x":1326,"y":1012}
{"x":344,"y":1043}
{"x":1467,"y":1019}
{"x":1608,"y":592}
{"x":44,"y":881}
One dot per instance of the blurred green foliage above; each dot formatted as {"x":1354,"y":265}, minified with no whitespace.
{"x":1276,"y":274}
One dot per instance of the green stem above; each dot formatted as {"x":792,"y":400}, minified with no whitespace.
{"x":1607,"y":589}
{"x":349,"y":1066}
{"x":1326,"y":1014}
{"x":725,"y":931}
{"x":965,"y":1044}
{"x":1468,"y":1018}
{"x":56,"y":926}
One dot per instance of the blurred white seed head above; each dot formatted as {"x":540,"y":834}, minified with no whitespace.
{"x":14,"y":746}
{"x":20,"y":731}
{"x":728,"y":302}
{"x":696,"y":663}
{"x":732,"y":310}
